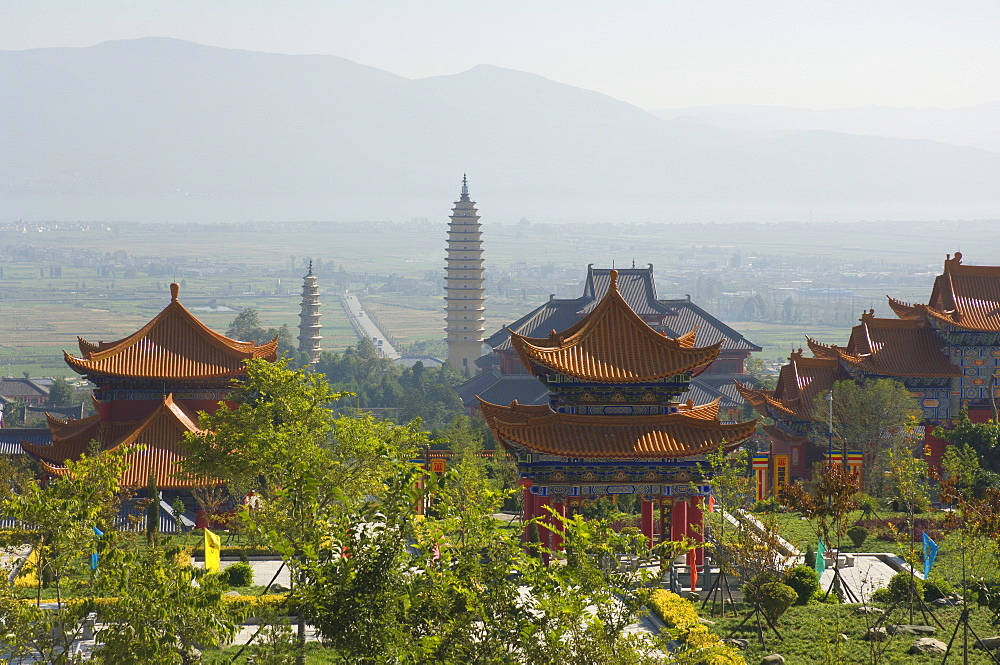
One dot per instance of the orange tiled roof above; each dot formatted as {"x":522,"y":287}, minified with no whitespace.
{"x":754,"y":397}
{"x":821,"y":350}
{"x":896,"y":347}
{"x":173,"y":345}
{"x":673,"y":435}
{"x":905,"y":310}
{"x":161,"y":433}
{"x":613,"y":344}
{"x":799,"y":381}
{"x":778,"y":433}
{"x":963,"y":296}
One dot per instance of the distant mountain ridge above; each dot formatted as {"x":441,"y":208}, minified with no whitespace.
{"x":971,"y":126}
{"x":166,"y":130}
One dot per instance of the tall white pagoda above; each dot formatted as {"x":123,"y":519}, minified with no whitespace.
{"x":309,"y":325}
{"x":463,"y":291}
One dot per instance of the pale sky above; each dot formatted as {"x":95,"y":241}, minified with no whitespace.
{"x":653,"y":53}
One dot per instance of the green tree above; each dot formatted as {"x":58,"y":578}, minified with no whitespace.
{"x":60,"y":517}
{"x":974,"y":453}
{"x":61,"y":393}
{"x":162,"y":610}
{"x":306,"y":465}
{"x":873,"y":417}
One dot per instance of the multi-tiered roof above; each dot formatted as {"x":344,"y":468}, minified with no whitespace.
{"x":504,"y":377}
{"x":146,"y":372}
{"x":609,"y":353}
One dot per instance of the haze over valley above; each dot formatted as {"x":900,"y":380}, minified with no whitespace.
{"x":165,"y":130}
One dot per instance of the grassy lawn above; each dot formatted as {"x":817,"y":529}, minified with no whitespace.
{"x":809,"y":632}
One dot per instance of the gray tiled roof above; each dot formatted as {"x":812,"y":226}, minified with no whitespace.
{"x":639,"y":290}
{"x":11,"y":438}
{"x":497,"y":388}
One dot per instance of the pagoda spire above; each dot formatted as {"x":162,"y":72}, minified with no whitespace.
{"x":309,"y":325}
{"x":464,"y":322}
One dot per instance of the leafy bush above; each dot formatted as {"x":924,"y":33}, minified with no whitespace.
{"x":936,"y":587}
{"x":803,"y":579}
{"x":774,"y":599}
{"x":768,"y":505}
{"x":869,"y":506}
{"x":899,"y":589}
{"x":858,"y":534}
{"x":239,"y":574}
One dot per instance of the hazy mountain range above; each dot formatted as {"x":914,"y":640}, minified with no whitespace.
{"x":166,"y":130}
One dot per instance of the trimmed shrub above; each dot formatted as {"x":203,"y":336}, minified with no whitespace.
{"x":768,"y":505}
{"x":803,"y":579}
{"x":239,"y":574}
{"x":681,"y":615}
{"x":858,"y":534}
{"x":899,"y":589}
{"x":936,"y":587}
{"x":775,"y":598}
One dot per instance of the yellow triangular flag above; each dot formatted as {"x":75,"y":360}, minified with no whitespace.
{"x":213,"y":550}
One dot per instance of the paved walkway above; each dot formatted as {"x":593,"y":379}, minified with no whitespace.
{"x":868,"y":573}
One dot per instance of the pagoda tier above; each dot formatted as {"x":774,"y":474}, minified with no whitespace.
{"x":612,"y":344}
{"x":173,"y":346}
{"x":160,"y":435}
{"x":676,"y":435}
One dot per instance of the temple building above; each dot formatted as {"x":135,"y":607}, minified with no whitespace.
{"x":149,"y":389}
{"x":503,"y":376}
{"x":463,"y":291}
{"x":309,"y":325}
{"x":946,"y":352}
{"x":612,"y":423}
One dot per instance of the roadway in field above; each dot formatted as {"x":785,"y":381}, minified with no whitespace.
{"x":364,"y":323}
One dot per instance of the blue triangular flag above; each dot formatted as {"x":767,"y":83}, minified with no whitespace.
{"x":93,"y":556}
{"x":930,"y":553}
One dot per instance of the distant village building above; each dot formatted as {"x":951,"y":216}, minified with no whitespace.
{"x":946,"y":352}
{"x":504,"y":376}
{"x":613,"y":423}
{"x":25,"y":391}
{"x":149,"y":388}
{"x":463,"y":292}
{"x":309,"y":325}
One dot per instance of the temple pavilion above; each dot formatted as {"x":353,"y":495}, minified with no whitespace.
{"x":613,"y":424}
{"x":946,"y":352}
{"x":149,"y":387}
{"x":503,"y":377}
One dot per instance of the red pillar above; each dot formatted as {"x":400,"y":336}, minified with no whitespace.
{"x":557,"y":525}
{"x":528,"y":513}
{"x":646,"y":521}
{"x":678,"y":520}
{"x":541,"y":502}
{"x":696,"y":522}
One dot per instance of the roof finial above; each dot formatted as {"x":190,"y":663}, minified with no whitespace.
{"x":633,"y":263}
{"x":465,"y":188}
{"x":613,"y":275}
{"x":175,"y":288}
{"x":310,"y":268}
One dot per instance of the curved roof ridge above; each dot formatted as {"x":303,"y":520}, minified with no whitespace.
{"x":821,"y":350}
{"x":632,"y":351}
{"x":144,"y":353}
{"x":673,"y":435}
